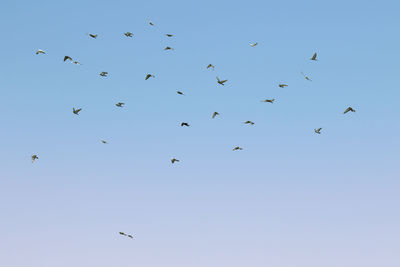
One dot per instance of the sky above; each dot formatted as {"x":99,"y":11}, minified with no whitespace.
{"x":289,"y":198}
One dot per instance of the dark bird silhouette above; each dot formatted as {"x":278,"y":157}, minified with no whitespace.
{"x":180,"y":93}
{"x":148,"y":76}
{"x":221,"y":81}
{"x":128,"y":34}
{"x":76,"y":63}
{"x":67,"y":58}
{"x":168,"y":48}
{"x":94,"y":36}
{"x":34,"y":157}
{"x":210,"y":66}
{"x":318,"y":131}
{"x":349,"y":109}
{"x":314,"y":57}
{"x":169,"y":35}
{"x":282,"y":85}
{"x":185,"y":124}
{"x":215,"y":114}
{"x":76,"y":111}
{"x":40,"y":51}
{"x":151,"y":23}
{"x":120,"y":104}
{"x":253,"y":45}
{"x":104,"y":142}
{"x":269,"y":100}
{"x":122,"y":233}
{"x":249,"y":122}
{"x":104,"y":74}
{"x":130,"y":236}
{"x":237,"y":148}
{"x":173,"y":160}
{"x":306,"y":77}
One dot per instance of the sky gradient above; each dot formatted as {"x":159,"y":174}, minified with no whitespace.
{"x":289,"y":198}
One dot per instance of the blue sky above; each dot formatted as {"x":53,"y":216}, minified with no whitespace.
{"x":289,"y":198}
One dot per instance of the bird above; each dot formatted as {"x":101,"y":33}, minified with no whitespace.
{"x":130,"y":236}
{"x":307,"y":78}
{"x":104,"y":142}
{"x":221,"y":82}
{"x":94,"y":36}
{"x":269,"y":100}
{"x":120,"y":104}
{"x":76,"y":63}
{"x":173,"y":160}
{"x":151,"y":23}
{"x":76,"y":111}
{"x":253,"y":45}
{"x":185,"y":124}
{"x":122,"y":233}
{"x":128,"y":34}
{"x":169,"y":35}
{"x":149,"y":75}
{"x":67,"y":57}
{"x":314,"y":57}
{"x":349,"y":109}
{"x":180,"y":93}
{"x":168,"y":48}
{"x":210,"y":66}
{"x":215,"y":114}
{"x":237,"y":148}
{"x":318,"y":131}
{"x":34,"y":157}
{"x":249,"y":122}
{"x":103,"y":74}
{"x":40,"y":51}
{"x":282,"y":85}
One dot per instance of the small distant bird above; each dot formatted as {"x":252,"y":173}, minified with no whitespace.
{"x":151,"y":23}
{"x":180,"y":93}
{"x":120,"y":104}
{"x":215,"y":114}
{"x":169,"y":35}
{"x":221,"y":82}
{"x":168,"y":48}
{"x":210,"y":66}
{"x":249,"y":122}
{"x":130,"y":236}
{"x":128,"y":34}
{"x":318,"y":131}
{"x":149,"y":75}
{"x":237,"y":148}
{"x":76,"y":111}
{"x":349,"y":109}
{"x":40,"y":51}
{"x":282,"y":85}
{"x":67,"y":58}
{"x":103,"y":74}
{"x":173,"y":160}
{"x":253,"y":45}
{"x":94,"y":36}
{"x":305,"y":76}
{"x":185,"y":124}
{"x":34,"y":157}
{"x":104,"y":142}
{"x":314,"y":57}
{"x":76,"y":63}
{"x":122,"y":233}
{"x":269,"y":100}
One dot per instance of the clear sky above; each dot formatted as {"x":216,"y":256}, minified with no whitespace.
{"x":289,"y":198}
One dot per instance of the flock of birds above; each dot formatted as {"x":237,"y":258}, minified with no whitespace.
{"x":149,"y":75}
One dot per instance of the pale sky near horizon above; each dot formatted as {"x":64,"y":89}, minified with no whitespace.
{"x":289,"y":198}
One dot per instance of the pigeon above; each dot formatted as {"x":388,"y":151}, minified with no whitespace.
{"x":103,"y":74}
{"x":94,"y":36}
{"x":40,"y":51}
{"x":185,"y":124}
{"x":349,"y":109}
{"x":148,"y":76}
{"x":249,"y":122}
{"x":253,"y":45}
{"x":128,"y":34}
{"x":169,"y":35}
{"x":168,"y":48}
{"x":104,"y":142}
{"x":173,"y":160}
{"x":67,"y":57}
{"x":34,"y":157}
{"x":180,"y":93}
{"x":269,"y":100}
{"x":120,"y":104}
{"x":215,"y":114}
{"x":318,"y":131}
{"x":282,"y":85}
{"x":237,"y":148}
{"x":221,"y":82}
{"x":210,"y":66}
{"x":314,"y":57}
{"x":76,"y":111}
{"x":307,"y":78}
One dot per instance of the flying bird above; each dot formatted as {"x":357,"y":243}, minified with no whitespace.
{"x":237,"y":148}
{"x":148,"y":76}
{"x":215,"y":114}
{"x":104,"y":142}
{"x":103,"y":74}
{"x":318,"y":131}
{"x":210,"y":66}
{"x":94,"y":36}
{"x":249,"y":122}
{"x":349,"y":109}
{"x":305,"y":76}
{"x":168,"y":48}
{"x":169,"y":35}
{"x":282,"y":85}
{"x":67,"y":58}
{"x":173,"y":160}
{"x":122,"y":233}
{"x":269,"y":100}
{"x":76,"y":63}
{"x":151,"y":23}
{"x":128,"y":34}
{"x":185,"y":124}
{"x":221,"y":82}
{"x":180,"y":93}
{"x":40,"y":51}
{"x":314,"y":57}
{"x":34,"y":157}
{"x":120,"y":104}
{"x":253,"y":45}
{"x":76,"y":111}
{"x":130,"y":236}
